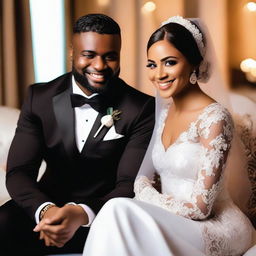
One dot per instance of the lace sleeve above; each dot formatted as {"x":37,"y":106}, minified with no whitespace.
{"x":215,"y":135}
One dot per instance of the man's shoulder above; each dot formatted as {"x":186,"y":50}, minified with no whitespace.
{"x":129,"y":91}
{"x":59,"y":83}
{"x":134,"y":101}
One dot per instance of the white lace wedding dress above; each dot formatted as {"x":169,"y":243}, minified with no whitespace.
{"x":193,"y":215}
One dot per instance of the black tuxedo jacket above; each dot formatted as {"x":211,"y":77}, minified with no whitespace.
{"x":103,"y":170}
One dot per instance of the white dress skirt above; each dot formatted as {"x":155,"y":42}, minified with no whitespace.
{"x":127,"y":227}
{"x":193,"y":215}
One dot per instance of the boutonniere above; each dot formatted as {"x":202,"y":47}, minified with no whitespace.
{"x":108,"y":119}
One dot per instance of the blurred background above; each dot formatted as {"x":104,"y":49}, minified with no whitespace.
{"x":35,"y":38}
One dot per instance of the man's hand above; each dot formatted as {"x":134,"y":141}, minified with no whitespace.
{"x":59,"y":224}
{"x":47,"y":240}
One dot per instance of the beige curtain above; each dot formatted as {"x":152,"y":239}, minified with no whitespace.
{"x":16,"y":62}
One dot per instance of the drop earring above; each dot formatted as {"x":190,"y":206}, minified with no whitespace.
{"x":193,"y":77}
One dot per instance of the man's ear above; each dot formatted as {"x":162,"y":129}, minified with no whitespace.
{"x":69,"y":58}
{"x":70,"y":52}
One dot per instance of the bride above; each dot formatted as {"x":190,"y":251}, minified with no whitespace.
{"x":193,"y":213}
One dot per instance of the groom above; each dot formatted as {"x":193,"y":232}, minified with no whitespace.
{"x":92,"y":129}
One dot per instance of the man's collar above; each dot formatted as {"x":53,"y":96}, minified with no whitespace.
{"x":77,"y":90}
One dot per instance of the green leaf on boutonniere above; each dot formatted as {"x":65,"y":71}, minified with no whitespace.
{"x":109,"y":111}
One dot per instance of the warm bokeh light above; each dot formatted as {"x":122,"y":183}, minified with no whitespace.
{"x":148,"y":7}
{"x":250,"y":77}
{"x":251,"y":6}
{"x":253,"y":72}
{"x":248,"y":66}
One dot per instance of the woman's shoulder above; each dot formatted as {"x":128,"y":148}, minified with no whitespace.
{"x":215,"y":112}
{"x":215,"y":118}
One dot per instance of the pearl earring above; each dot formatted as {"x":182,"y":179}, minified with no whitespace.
{"x":193,"y":77}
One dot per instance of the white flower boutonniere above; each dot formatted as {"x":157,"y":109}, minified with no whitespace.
{"x":108,"y":119}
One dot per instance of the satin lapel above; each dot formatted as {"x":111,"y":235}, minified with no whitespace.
{"x":65,"y":118}
{"x":91,"y":144}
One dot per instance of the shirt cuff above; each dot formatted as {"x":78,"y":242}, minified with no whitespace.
{"x":37,"y":214}
{"x":90,"y":213}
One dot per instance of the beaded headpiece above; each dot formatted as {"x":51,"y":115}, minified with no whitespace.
{"x":191,"y":28}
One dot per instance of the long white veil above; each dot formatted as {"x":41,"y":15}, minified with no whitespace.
{"x":211,"y":82}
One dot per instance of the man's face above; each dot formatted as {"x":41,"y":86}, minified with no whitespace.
{"x":96,"y":60}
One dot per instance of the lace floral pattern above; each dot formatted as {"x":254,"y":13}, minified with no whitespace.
{"x":209,"y":139}
{"x":227,"y":242}
{"x":213,"y":131}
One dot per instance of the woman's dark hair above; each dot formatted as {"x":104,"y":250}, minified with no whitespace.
{"x":180,"y":38}
{"x":99,"y":23}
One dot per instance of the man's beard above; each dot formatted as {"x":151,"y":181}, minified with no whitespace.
{"x":83,"y":81}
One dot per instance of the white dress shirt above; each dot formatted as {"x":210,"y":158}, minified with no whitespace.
{"x":85,"y":117}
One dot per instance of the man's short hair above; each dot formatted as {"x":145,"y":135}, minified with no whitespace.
{"x":99,"y":23}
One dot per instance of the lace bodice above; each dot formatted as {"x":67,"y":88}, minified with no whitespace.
{"x":191,"y":169}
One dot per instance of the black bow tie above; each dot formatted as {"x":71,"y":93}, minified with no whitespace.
{"x":79,"y":100}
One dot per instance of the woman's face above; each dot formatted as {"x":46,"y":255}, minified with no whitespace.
{"x":168,"y":69}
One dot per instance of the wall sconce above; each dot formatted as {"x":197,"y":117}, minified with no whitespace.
{"x":251,"y":6}
{"x":248,"y":66}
